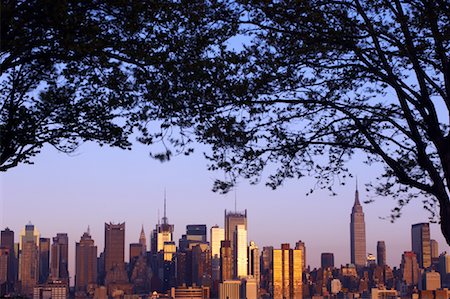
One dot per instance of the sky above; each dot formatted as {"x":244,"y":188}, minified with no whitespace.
{"x":68,"y":193}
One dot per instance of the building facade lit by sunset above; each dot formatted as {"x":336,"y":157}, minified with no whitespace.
{"x":29,"y":258}
{"x":240,"y":251}
{"x":287,"y":273}
{"x":232,"y":220}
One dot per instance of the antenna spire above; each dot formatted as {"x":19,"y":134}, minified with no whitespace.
{"x":89,"y":230}
{"x":164,"y":202}
{"x":235,"y":201}
{"x":164,"y":219}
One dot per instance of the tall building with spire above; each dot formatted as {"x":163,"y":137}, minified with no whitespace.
{"x":163,"y":232}
{"x":357,"y":233}
{"x":163,"y":250}
{"x":143,"y":240}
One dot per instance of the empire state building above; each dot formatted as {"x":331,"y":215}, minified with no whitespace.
{"x":357,"y":233}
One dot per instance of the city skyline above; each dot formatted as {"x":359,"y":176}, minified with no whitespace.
{"x":135,"y":194}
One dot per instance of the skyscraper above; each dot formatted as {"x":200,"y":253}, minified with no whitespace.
{"x":434,"y":249}
{"x":327,"y":260}
{"x":240,"y":251}
{"x":226,"y":270}
{"x":217,"y":235}
{"x":85,"y":263}
{"x":29,"y":258}
{"x":410,"y":268}
{"x":114,"y":245}
{"x":232,"y":220}
{"x":60,"y":257}
{"x":381,"y":253}
{"x":421,"y":245}
{"x":44,"y":259}
{"x":116,"y":277}
{"x":7,"y":241}
{"x":143,"y":241}
{"x":162,"y":233}
{"x":301,"y":245}
{"x":196,"y":232}
{"x":266,"y":268}
{"x":4,"y":258}
{"x":254,"y":263}
{"x":357,"y":233}
{"x":287,"y":273}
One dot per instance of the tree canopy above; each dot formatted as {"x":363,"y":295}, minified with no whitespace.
{"x":277,"y":83}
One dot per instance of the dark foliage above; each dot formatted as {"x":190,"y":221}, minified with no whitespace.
{"x":310,"y":84}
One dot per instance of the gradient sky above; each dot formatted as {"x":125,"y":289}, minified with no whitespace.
{"x":62,"y":193}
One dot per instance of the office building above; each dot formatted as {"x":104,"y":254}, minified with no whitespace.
{"x":232,"y":220}
{"x":327,"y":260}
{"x":249,"y":288}
{"x":55,"y":289}
{"x":381,"y":253}
{"x":7,"y":241}
{"x":357,"y":234}
{"x":254,"y":263}
{"x":217,"y":235}
{"x":266,"y":268}
{"x":434,"y":249}
{"x":162,"y":233}
{"x":4,"y":259}
{"x":230,"y":289}
{"x":240,"y":252}
{"x":116,"y":278}
{"x":432,"y":281}
{"x":143,"y":241}
{"x":29,"y":259}
{"x":301,"y":245}
{"x":59,"y":258}
{"x":44,"y":259}
{"x":196,"y":232}
{"x":85,"y":264}
{"x":421,"y":244}
{"x":114,"y":245}
{"x":410,"y":268}
{"x":191,"y":292}
{"x":135,"y":252}
{"x":226,"y":269}
{"x":444,"y":263}
{"x":287,"y":273}
{"x":201,"y":265}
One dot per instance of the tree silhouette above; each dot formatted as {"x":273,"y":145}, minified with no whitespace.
{"x":315,"y":82}
{"x":310,"y":84}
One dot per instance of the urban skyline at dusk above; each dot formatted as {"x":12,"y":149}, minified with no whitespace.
{"x":275,"y":217}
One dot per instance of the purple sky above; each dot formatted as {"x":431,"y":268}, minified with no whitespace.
{"x":62,"y":193}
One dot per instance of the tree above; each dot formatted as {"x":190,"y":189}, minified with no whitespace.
{"x":312,"y":78}
{"x":316,"y":82}
{"x":70,"y":70}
